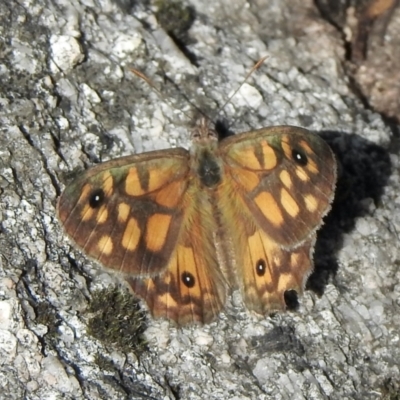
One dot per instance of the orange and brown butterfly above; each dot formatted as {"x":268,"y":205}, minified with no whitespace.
{"x":185,"y":228}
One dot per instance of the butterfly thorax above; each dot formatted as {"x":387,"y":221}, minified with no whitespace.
{"x":206,"y":162}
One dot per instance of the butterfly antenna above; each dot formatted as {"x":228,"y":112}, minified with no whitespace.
{"x":141,"y":75}
{"x":166,"y":100}
{"x":162,"y":97}
{"x":256,"y":66}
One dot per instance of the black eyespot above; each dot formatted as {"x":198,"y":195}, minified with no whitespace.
{"x":188,"y":279}
{"x":260,"y":267}
{"x":291,"y":299}
{"x":96,"y":198}
{"x":299,"y":157}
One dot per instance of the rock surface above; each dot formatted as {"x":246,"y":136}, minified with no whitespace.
{"x":68,"y":100}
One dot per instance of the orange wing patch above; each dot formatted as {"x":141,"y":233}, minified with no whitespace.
{"x":133,"y":185}
{"x":105,"y":245}
{"x":157,"y":228}
{"x":131,"y":236}
{"x":269,"y":157}
{"x":270,"y":208}
{"x":289,"y":204}
{"x":286,"y":179}
{"x":123,"y":212}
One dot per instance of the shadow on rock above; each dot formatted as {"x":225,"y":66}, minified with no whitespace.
{"x":363,"y":172}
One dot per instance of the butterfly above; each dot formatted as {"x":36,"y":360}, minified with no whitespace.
{"x":185,"y":228}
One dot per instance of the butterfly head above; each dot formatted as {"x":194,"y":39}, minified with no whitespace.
{"x":203,"y":134}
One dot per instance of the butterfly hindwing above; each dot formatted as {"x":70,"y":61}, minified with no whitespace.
{"x":192,"y":289}
{"x":269,"y":271}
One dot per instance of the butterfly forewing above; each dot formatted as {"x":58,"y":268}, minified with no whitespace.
{"x":127,"y":213}
{"x":286,"y":177}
